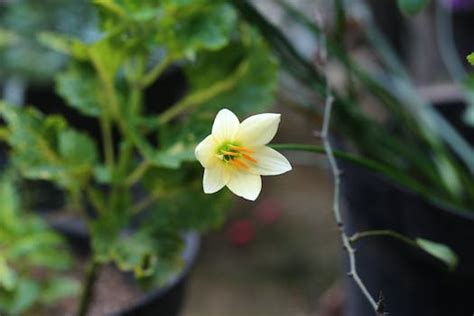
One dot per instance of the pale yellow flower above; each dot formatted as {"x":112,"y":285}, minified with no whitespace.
{"x":235,"y":155}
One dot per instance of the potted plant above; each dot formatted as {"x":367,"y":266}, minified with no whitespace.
{"x":141,"y":192}
{"x":133,"y":191}
{"x":423,"y":183}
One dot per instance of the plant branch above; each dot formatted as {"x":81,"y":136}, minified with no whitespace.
{"x":204,"y":95}
{"x":388,"y":233}
{"x":145,"y":203}
{"x":336,"y":204}
{"x":138,"y":173}
{"x":336,"y":172}
{"x":155,"y":72}
{"x":87,"y":288}
{"x":106,"y":130}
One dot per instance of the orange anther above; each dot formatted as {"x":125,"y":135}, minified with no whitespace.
{"x":248,"y":157}
{"x":230,"y":153}
{"x":238,"y":164}
{"x":242,"y":148}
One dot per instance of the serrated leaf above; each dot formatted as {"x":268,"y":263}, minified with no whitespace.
{"x":188,"y":27}
{"x":439,"y":251}
{"x":79,"y":86}
{"x":45,"y":148}
{"x":412,"y":7}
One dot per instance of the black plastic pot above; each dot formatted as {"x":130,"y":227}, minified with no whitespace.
{"x":412,"y":282}
{"x":163,"y":301}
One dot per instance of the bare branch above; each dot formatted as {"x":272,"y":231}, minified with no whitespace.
{"x":324,"y":134}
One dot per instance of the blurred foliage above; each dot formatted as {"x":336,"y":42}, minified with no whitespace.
{"x":20,"y":53}
{"x":470,"y":58}
{"x":31,"y":254}
{"x":141,"y":177}
{"x":45,"y":148}
{"x":410,"y":137}
{"x":412,"y":7}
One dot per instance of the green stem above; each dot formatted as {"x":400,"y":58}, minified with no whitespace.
{"x":138,"y":173}
{"x":96,"y":199}
{"x":155,"y":72}
{"x":145,"y":203}
{"x":202,"y":96}
{"x":4,"y":134}
{"x":87,"y":288}
{"x":374,"y":166}
{"x":106,"y":129}
{"x":385,"y":232}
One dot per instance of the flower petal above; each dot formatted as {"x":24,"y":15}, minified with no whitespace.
{"x":245,"y":185}
{"x":269,"y":162}
{"x":225,"y":126}
{"x":215,"y":178}
{"x":258,"y":130}
{"x":205,"y":152}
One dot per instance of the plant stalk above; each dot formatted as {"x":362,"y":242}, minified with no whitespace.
{"x":87,"y":288}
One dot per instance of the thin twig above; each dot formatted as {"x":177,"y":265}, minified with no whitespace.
{"x":385,"y":233}
{"x":336,"y":202}
{"x":324,"y":134}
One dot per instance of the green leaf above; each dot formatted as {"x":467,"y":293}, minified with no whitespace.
{"x":7,"y":38}
{"x":77,"y":149}
{"x":106,"y":229}
{"x":107,"y":55}
{"x":45,"y":148}
{"x":28,"y":245}
{"x":8,"y":277}
{"x":59,"y":287}
{"x":64,"y":44}
{"x":470,"y":58}
{"x":187,"y":27}
{"x":26,"y":294}
{"x":142,"y":252}
{"x":182,"y":208}
{"x":440,"y":251}
{"x":10,"y":201}
{"x":412,"y":7}
{"x":79,"y":86}
{"x":256,"y":81}
{"x":173,"y":156}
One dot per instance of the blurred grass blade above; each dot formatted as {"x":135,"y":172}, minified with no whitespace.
{"x":412,"y":7}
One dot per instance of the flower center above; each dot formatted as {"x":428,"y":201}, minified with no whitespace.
{"x":238,"y":156}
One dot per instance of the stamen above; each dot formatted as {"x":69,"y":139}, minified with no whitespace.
{"x":230,"y":153}
{"x":248,"y":157}
{"x":242,"y":148}
{"x":238,"y":164}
